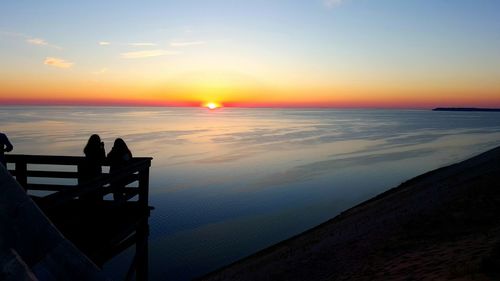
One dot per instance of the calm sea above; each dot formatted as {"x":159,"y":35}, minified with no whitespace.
{"x":229,"y":182}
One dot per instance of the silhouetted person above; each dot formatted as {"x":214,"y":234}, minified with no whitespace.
{"x":5,"y":146}
{"x":94,"y":157}
{"x":119,"y":157}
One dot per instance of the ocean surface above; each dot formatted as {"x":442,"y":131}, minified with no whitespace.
{"x":229,"y":182}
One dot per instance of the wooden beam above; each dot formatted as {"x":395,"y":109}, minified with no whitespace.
{"x":44,"y":159}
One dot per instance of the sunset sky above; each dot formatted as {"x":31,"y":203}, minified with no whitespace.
{"x":286,"y":53}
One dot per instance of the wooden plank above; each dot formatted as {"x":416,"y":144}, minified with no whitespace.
{"x":44,"y":159}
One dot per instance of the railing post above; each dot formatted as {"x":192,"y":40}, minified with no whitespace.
{"x":79,"y":170}
{"x":22,"y":173}
{"x":144,"y":187}
{"x":142,"y":251}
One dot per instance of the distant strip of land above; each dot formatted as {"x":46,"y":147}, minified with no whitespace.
{"x":442,"y":225}
{"x":466,"y":109}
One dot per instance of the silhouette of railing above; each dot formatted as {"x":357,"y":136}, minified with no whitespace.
{"x":136,"y":171}
{"x":100,"y":227}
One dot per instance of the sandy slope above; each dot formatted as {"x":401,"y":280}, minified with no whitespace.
{"x":443,"y":225}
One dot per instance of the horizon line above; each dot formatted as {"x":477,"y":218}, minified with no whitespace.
{"x":220,"y":108}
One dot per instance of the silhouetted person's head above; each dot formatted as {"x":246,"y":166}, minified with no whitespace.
{"x":94,"y":143}
{"x":119,"y":146}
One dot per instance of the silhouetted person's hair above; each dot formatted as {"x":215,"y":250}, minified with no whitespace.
{"x":120,"y":148}
{"x":94,"y":144}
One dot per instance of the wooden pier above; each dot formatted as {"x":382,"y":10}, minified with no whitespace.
{"x":85,"y":212}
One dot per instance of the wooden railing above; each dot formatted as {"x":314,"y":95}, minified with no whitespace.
{"x":136,"y":171}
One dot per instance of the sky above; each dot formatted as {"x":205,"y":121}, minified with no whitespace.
{"x":283,"y":53}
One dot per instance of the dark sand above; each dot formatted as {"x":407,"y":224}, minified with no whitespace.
{"x":443,"y":225}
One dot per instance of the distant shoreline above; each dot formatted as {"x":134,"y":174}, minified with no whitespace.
{"x":466,"y":109}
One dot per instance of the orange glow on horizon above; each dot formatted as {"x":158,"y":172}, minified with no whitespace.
{"x":279,"y":97}
{"x":369,"y":103}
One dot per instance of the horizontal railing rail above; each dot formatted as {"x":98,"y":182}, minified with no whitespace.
{"x":57,"y":160}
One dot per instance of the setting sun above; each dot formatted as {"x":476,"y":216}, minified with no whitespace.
{"x":212,"y":105}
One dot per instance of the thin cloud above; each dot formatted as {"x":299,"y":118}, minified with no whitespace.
{"x":29,"y":39}
{"x":104,"y":43}
{"x":143,"y":44}
{"x":40,"y":42}
{"x":147,"y":54}
{"x":332,"y":3}
{"x":186,"y":43}
{"x":57,"y":62}
{"x":37,"y":41}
